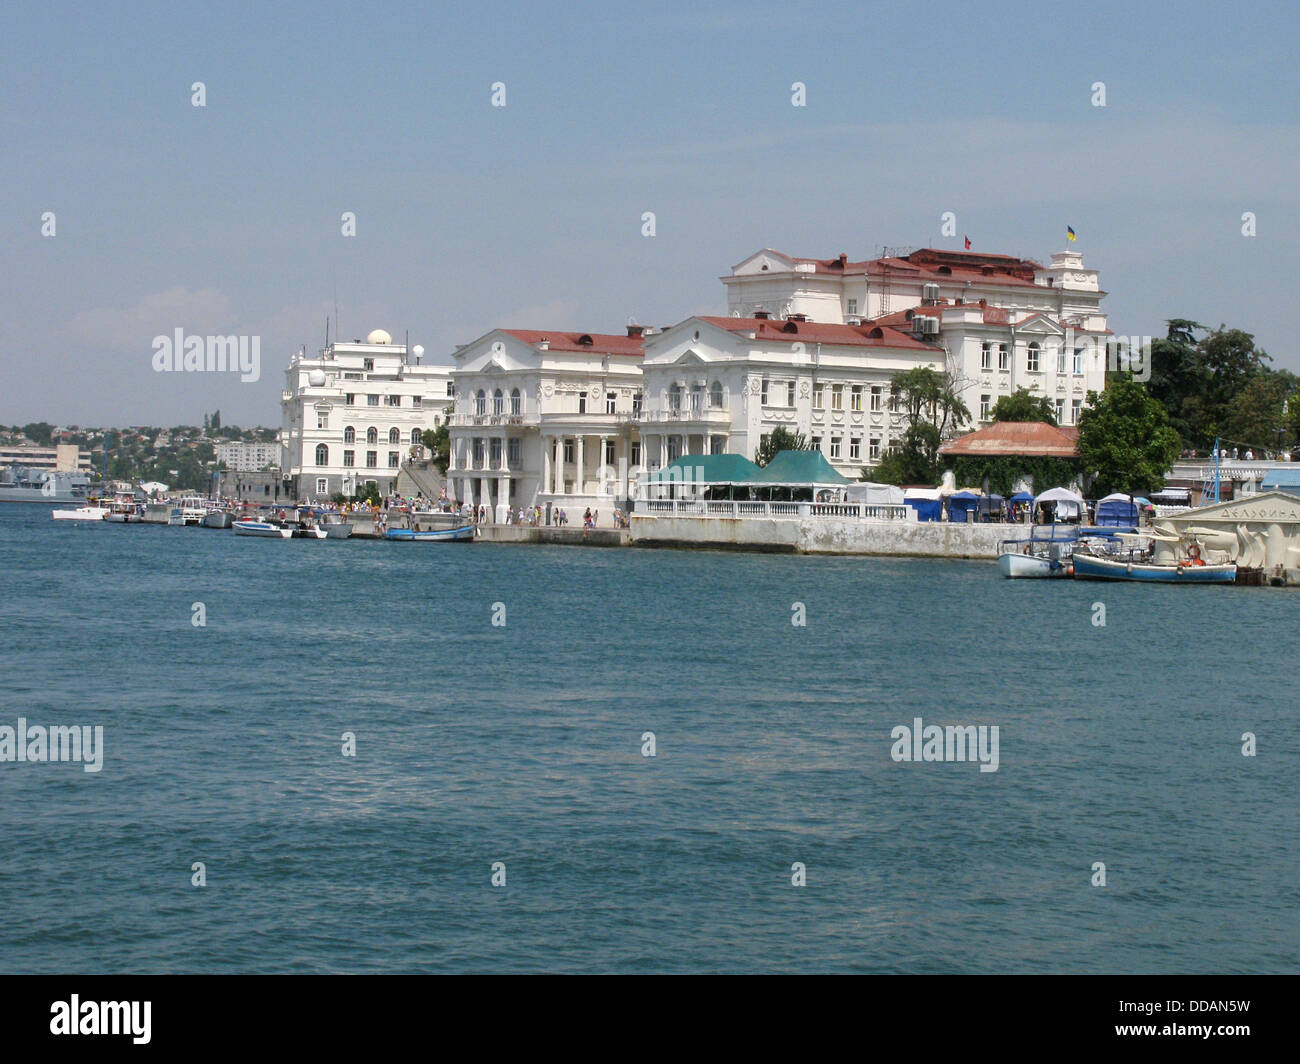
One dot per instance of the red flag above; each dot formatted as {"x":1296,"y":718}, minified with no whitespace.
{"x":968,"y":243}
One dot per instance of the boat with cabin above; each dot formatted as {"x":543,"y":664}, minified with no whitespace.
{"x":1153,"y":558}
{"x":272,"y":528}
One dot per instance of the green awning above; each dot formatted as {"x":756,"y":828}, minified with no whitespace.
{"x":799,"y":468}
{"x":706,"y":469}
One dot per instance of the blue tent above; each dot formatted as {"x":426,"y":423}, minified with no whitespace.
{"x":1117,"y":511}
{"x":962,"y":505}
{"x":926,"y":503}
{"x":1021,"y":496}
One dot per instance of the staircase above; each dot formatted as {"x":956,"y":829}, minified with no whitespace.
{"x":419,"y":476}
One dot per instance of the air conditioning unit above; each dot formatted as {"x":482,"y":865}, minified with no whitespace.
{"x":929,"y":293}
{"x":930,"y":326}
{"x":853,"y":320}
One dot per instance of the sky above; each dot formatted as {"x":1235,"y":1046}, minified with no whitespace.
{"x":226,"y":219}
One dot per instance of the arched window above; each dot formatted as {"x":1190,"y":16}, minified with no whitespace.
{"x":349,"y":435}
{"x":322,"y":455}
{"x":372,"y":435}
{"x":394,"y":435}
{"x":480,"y":403}
{"x":697,"y":399}
{"x":496,"y":402}
{"x":515,"y":403}
{"x":715,"y":395}
{"x":1034,"y":351}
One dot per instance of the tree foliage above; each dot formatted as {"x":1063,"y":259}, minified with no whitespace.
{"x":1023,"y":405}
{"x":438,"y":443}
{"x":780,"y":439}
{"x":1125,"y":439}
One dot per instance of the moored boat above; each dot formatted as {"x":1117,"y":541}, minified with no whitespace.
{"x":335,"y":526}
{"x":463,"y":534}
{"x":217,"y":519}
{"x":1100,"y":567}
{"x":265,"y":529}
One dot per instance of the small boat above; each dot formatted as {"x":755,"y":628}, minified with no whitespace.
{"x":309,"y":532}
{"x":1152,"y":558}
{"x":266,"y":529}
{"x":1100,"y":567}
{"x":463,"y":534}
{"x":217,"y":519}
{"x":89,"y":512}
{"x":191,"y":510}
{"x":1049,"y":550}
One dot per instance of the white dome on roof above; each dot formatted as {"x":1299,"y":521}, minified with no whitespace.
{"x":316,"y":378}
{"x":379,"y":336}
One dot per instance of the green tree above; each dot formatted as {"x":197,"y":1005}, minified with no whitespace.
{"x":438,"y":443}
{"x":1125,"y":439}
{"x":915,"y":459}
{"x":933,"y":410}
{"x":1023,"y":405}
{"x":40,"y":433}
{"x":1259,"y":415}
{"x":780,"y":439}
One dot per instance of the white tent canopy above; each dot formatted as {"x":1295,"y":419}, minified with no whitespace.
{"x":923,"y":493}
{"x":1067,"y":503}
{"x":874,"y":494}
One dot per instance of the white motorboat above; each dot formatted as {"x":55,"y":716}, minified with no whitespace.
{"x":335,"y":526}
{"x":265,"y":529}
{"x":89,"y":512}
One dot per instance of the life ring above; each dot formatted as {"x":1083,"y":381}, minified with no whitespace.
{"x":1194,"y":553}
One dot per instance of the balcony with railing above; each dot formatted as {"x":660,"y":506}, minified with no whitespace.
{"x":789,"y":511}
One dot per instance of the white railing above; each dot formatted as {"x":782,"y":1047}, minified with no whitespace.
{"x":769,"y":510}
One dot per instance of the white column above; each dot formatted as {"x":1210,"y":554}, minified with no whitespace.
{"x":580,"y":462}
{"x":505,"y":457}
{"x":559,"y":465}
{"x":547,"y":443}
{"x":451,"y":457}
{"x":600,"y":461}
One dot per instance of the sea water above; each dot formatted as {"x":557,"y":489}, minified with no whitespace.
{"x":234,"y":827}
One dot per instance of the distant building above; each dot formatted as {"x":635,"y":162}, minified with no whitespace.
{"x":355,"y":413}
{"x":244,"y":457}
{"x":63,"y":457}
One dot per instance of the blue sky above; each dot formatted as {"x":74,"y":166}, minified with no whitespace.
{"x":226,"y":219}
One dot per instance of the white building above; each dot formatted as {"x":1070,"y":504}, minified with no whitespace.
{"x":545,"y":418}
{"x":720,"y":385}
{"x":243,"y":456}
{"x":1003,"y":322}
{"x":355,"y":413}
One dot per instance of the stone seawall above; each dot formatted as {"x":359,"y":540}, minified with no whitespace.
{"x":826,"y":535}
{"x":597,"y":537}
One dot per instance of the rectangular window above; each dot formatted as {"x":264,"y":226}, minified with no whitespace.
{"x":368,"y":364}
{"x":451,"y":388}
{"x":876,"y":395}
{"x":835,"y":446}
{"x":322,"y":486}
{"x":674,"y":448}
{"x":349,"y":458}
{"x":351,"y":399}
{"x":372,"y":400}
{"x":1060,"y":360}
{"x":893,"y":402}
{"x":568,"y":452}
{"x":609,"y":452}
{"x":478,"y":451}
{"x":1076,"y":408}
{"x":817,"y":396}
{"x":496,"y":453}
{"x":837,"y":397}
{"x":610,"y":402}
{"x":372,"y":459}
{"x":789,"y":393}
{"x":322,"y":421}
{"x":873,"y":448}
{"x":394,"y":400}
{"x":763,"y":393}
{"x":717,"y":445}
{"x":582,"y":402}
{"x":417,"y":400}
{"x":986,"y":355}
{"x":1078,"y":361}
{"x":855,"y":449}
{"x":393,"y":459}
{"x":636,"y":404}
{"x":636,"y":452}
{"x":1032,"y":358}
{"x":512,"y":452}
{"x":816,"y":443}
{"x":1060,"y":411}
{"x":984,"y":407}
{"x":1004,"y":358}
{"x":853,"y":308}
{"x":855,"y":397}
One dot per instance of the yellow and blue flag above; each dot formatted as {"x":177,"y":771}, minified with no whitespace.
{"x":1069,"y":234}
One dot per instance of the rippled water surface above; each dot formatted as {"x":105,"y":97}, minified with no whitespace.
{"x":522,"y":744}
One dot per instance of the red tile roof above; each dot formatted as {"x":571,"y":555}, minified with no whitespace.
{"x":599,"y":343}
{"x":937,"y":264}
{"x":817,"y":332}
{"x":1015,"y":438}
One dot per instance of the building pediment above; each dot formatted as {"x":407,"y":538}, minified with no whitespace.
{"x":1040,"y":326}
{"x":764,"y":261}
{"x":497,"y":353}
